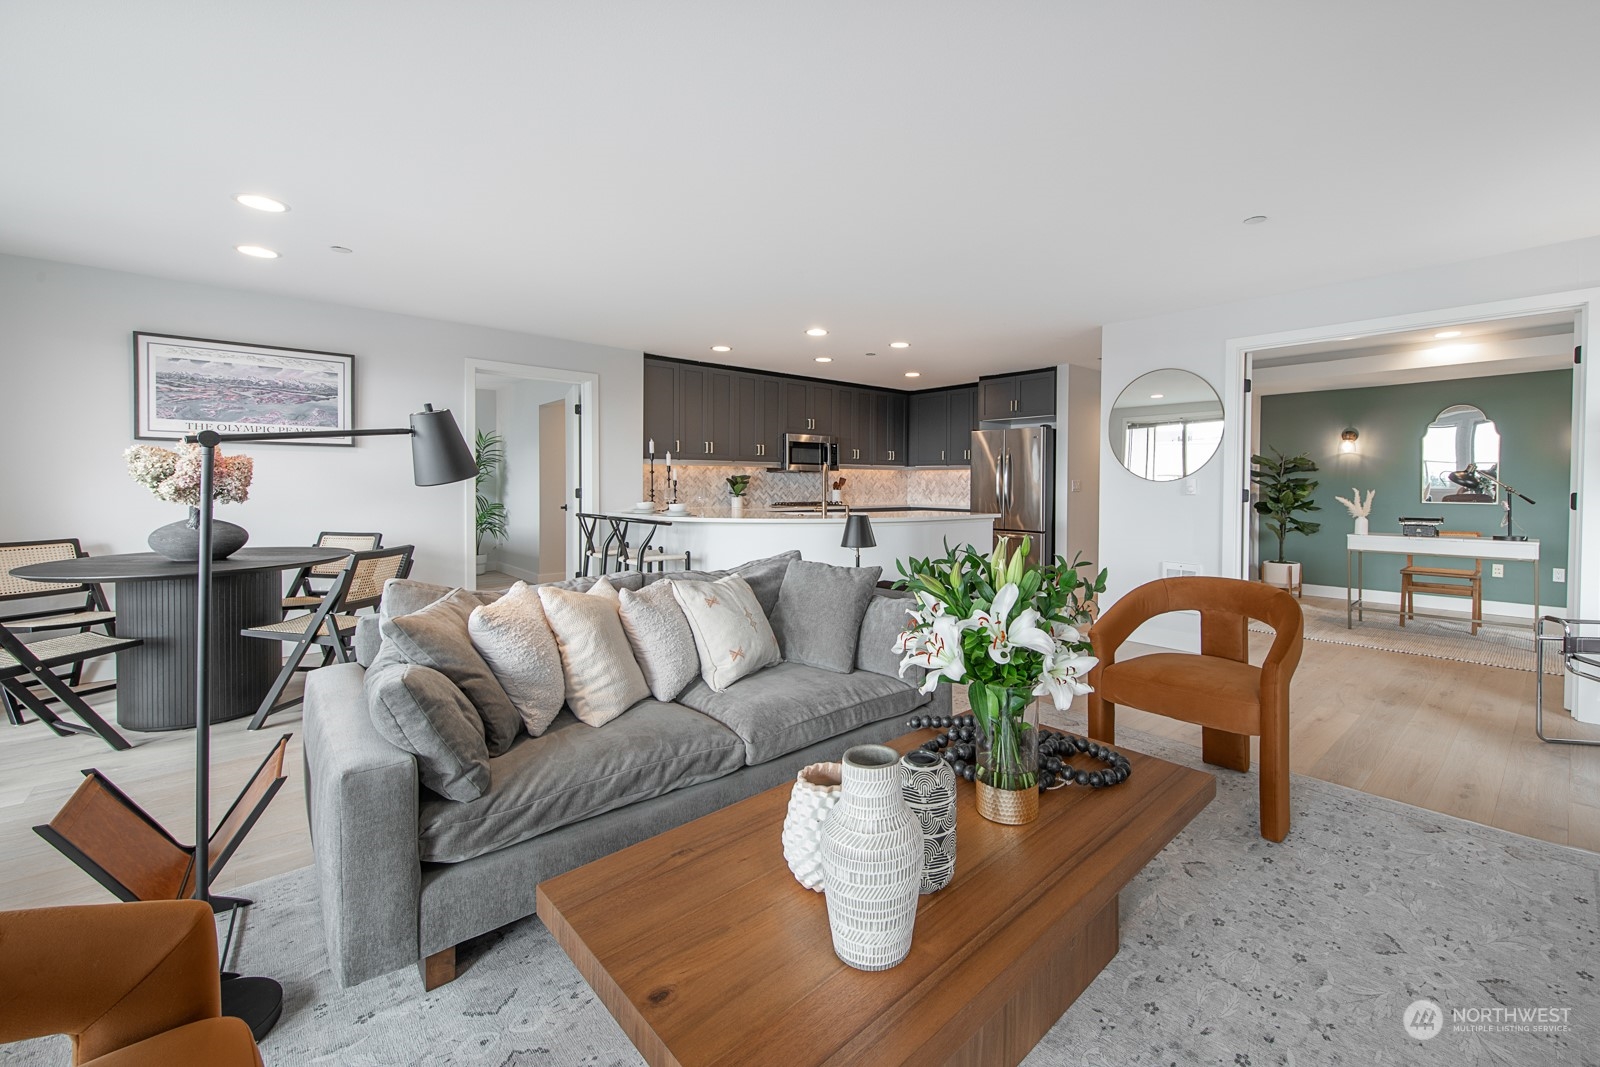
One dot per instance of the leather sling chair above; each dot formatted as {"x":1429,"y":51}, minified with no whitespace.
{"x":135,"y":985}
{"x":1218,"y":689}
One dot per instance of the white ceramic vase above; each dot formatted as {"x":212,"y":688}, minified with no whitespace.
{"x":1361,"y":526}
{"x":928,"y":785}
{"x":736,"y":505}
{"x":816,"y":791}
{"x":871,"y":862}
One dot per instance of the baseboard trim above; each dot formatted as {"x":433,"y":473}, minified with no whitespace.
{"x":1390,"y":598}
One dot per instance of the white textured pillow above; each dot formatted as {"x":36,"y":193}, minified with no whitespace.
{"x":603,"y":679}
{"x":661,"y":639}
{"x":731,"y":633}
{"x":514,"y":639}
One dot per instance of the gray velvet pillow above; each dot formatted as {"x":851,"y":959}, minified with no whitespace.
{"x":661,"y":639}
{"x":421,"y":711}
{"x":820,"y":607}
{"x":437,"y":637}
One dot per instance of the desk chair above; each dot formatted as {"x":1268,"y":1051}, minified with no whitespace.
{"x":332,"y":626}
{"x":1442,"y":581}
{"x":135,"y":985}
{"x":1219,"y":690}
{"x":311,"y":584}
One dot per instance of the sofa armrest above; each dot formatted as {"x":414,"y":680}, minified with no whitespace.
{"x":883,"y":622}
{"x":361,"y":803}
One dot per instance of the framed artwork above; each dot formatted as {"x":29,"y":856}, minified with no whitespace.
{"x":182,"y":385}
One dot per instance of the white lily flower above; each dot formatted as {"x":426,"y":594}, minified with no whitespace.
{"x":1024,"y":632}
{"x":1066,"y":633}
{"x":939,"y":652}
{"x":1061,"y":678}
{"x":993,"y":622}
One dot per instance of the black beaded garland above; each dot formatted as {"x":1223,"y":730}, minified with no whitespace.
{"x":955,"y":744}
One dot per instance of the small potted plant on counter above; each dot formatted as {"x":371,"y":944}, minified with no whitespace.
{"x":1285,"y":491}
{"x":737,"y":484}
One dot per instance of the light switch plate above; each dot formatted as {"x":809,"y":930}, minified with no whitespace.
{"x":1497,"y":570}
{"x":1076,"y":486}
{"x":1189,"y":488}
{"x":1559,"y":575}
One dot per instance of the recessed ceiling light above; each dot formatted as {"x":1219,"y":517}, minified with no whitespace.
{"x":1157,"y":396}
{"x":871,"y":354}
{"x":721,"y":348}
{"x":257,"y":251}
{"x":824,"y":359}
{"x":899,"y":344}
{"x":1445,"y":335}
{"x":816,"y":331}
{"x":341,"y":249}
{"x":262,"y":203}
{"x":913,"y":374}
{"x":1255,"y":220}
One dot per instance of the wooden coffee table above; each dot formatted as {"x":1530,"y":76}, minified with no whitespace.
{"x":708,"y":952}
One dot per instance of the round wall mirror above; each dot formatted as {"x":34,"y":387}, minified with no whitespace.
{"x":1461,"y":458}
{"x":1166,"y":425}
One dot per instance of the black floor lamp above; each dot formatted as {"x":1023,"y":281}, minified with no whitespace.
{"x":439,"y":455}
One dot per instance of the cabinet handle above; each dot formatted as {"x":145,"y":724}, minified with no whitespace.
{"x":941,"y":455}
{"x":677,"y":444}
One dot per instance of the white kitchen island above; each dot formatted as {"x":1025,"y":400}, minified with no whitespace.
{"x":719,"y":540}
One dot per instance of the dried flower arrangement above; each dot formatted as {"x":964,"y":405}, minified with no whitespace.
{"x":175,"y":476}
{"x":1358,"y":508}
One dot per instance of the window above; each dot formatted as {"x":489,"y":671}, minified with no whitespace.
{"x":1162,"y":451}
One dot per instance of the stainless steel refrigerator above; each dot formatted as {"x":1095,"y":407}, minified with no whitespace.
{"x":1014,"y":474}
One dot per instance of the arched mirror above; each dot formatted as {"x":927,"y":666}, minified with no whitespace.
{"x":1166,"y":424}
{"x":1461,"y":458}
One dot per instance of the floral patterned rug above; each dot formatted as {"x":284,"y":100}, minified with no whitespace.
{"x":1235,"y":951}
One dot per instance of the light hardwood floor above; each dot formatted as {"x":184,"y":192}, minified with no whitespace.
{"x":1452,"y":737}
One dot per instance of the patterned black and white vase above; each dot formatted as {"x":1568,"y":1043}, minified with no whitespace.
{"x":871,"y":862}
{"x":928,"y":784}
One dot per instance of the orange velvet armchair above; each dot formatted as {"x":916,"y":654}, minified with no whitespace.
{"x":1218,"y":690}
{"x":135,"y":985}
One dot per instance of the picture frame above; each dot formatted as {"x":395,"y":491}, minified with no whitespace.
{"x":182,"y":385}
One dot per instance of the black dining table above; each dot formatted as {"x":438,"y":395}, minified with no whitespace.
{"x":155,"y":602}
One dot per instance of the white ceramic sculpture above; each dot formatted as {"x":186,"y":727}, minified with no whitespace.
{"x":871,"y":862}
{"x":816,"y":791}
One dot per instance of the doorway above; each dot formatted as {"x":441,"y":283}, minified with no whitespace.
{"x":542,"y":421}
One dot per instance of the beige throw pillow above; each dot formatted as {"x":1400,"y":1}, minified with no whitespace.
{"x":514,"y":639}
{"x":731,"y":633}
{"x":603,"y":679}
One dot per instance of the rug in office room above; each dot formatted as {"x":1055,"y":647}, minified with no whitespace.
{"x":1497,"y":644}
{"x":1235,"y":951}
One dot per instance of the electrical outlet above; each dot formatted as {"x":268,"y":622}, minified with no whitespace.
{"x":1559,"y":576}
{"x":1498,"y":570}
{"x":1077,"y":486}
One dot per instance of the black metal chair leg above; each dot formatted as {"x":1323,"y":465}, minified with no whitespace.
{"x":92,"y":722}
{"x":269,"y":703}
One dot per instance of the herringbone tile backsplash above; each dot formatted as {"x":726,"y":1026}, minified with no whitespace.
{"x":706,"y":486}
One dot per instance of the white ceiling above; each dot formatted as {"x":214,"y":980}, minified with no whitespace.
{"x":991,"y":182}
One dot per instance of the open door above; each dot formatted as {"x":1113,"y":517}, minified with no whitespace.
{"x":553,"y":509}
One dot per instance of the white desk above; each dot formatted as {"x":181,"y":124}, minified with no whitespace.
{"x":1358,"y":545}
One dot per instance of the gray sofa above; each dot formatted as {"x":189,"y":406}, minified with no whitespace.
{"x":405,"y":875}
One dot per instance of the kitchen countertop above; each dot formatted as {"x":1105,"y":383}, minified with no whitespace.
{"x":761,"y":515}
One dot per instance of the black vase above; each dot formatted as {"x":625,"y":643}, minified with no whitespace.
{"x":180,"y":541}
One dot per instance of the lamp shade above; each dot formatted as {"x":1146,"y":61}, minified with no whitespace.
{"x":858,"y":533}
{"x":439,"y":454}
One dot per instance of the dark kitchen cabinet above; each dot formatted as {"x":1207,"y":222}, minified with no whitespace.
{"x":1030,"y":395}
{"x":808,"y":406}
{"x":963,"y":420}
{"x":705,"y":424}
{"x":661,"y":408}
{"x":757,"y":418}
{"x":941,"y":425}
{"x":888,"y":429}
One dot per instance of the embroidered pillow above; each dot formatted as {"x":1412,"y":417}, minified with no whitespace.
{"x":731,"y":634}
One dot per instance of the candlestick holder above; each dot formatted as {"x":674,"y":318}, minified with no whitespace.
{"x":652,"y":478}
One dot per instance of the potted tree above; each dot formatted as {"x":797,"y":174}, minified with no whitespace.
{"x":488,"y":449}
{"x":1284,"y":492}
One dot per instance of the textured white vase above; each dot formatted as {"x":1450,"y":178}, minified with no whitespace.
{"x":928,"y":785}
{"x":871,"y":862}
{"x":816,"y":791}
{"x":736,"y":505}
{"x":1361,"y":526}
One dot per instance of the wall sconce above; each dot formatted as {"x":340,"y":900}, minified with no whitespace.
{"x":1347,"y":440}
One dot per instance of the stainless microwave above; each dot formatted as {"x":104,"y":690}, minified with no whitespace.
{"x":809,"y":452}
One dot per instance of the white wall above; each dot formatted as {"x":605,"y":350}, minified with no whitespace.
{"x":68,"y":373}
{"x":1082,"y":439}
{"x":1143,"y":523}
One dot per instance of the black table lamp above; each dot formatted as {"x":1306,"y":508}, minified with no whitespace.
{"x":858,"y":535}
{"x":439,"y":455}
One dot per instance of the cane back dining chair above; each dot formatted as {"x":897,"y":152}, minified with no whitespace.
{"x":311,"y":584}
{"x":135,"y":985}
{"x":332,"y":625}
{"x":28,"y":670}
{"x":1218,"y":690}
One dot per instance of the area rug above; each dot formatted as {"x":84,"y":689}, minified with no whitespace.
{"x":1235,"y":951}
{"x":1496,"y":644}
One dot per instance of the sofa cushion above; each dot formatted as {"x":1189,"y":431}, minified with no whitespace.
{"x":764,"y":576}
{"x":436,"y":636}
{"x":818,"y":621}
{"x":420,"y":711}
{"x":603,"y":679}
{"x":789,"y":706}
{"x":661,"y":639}
{"x":574,"y":772}
{"x":514,"y":639}
{"x":732,"y":637}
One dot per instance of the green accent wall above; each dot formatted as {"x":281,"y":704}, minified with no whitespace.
{"x":1532,"y":412}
